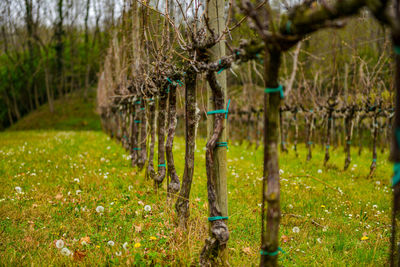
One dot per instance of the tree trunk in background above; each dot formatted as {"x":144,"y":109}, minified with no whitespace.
{"x":151,"y":115}
{"x":174,"y":184}
{"x":271,"y":213}
{"x":59,"y":48}
{"x":161,"y":118}
{"x":215,"y":250}
{"x":375,"y":129}
{"x":142,"y":153}
{"x":191,"y":120}
{"x":349,"y":133}
{"x":87,"y":57}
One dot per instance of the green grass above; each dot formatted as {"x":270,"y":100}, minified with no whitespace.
{"x":71,"y":112}
{"x":331,"y":219}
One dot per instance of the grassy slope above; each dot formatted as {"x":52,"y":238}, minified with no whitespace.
{"x":44,"y":165}
{"x":70,"y":113}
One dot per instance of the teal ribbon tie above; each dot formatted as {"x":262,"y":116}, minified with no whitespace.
{"x":309,"y":142}
{"x":222,"y":144}
{"x":288,"y":25}
{"x":397,"y":50}
{"x":396,"y":166}
{"x":373,"y":160}
{"x":311,"y":110}
{"x":125,"y":137}
{"x":349,"y":142}
{"x":142,"y":108}
{"x":138,"y":102}
{"x":263,"y":252}
{"x":161,"y":165}
{"x":275,"y":90}
{"x":217,"y":218}
{"x":136,"y":121}
{"x":221,"y":110}
{"x":328,"y":146}
{"x":169,"y":80}
{"x":137,"y":148}
{"x":180,"y":83}
{"x":222,"y":69}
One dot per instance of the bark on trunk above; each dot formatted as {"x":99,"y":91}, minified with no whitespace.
{"x":174,"y":184}
{"x":191,"y":119}
{"x":349,"y":133}
{"x":215,"y":251}
{"x":162,"y":108}
{"x":151,"y":115}
{"x":271,"y":215}
{"x":142,"y":153}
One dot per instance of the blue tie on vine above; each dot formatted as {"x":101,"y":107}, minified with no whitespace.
{"x":275,"y":90}
{"x":221,"y":110}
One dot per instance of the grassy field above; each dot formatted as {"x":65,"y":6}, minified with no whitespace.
{"x":342,"y":218}
{"x":52,"y":182}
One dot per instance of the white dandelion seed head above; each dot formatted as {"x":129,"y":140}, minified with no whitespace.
{"x":375,"y":206}
{"x":78,"y":192}
{"x":281,"y":171}
{"x":290,"y":206}
{"x":147,"y":208}
{"x":59,"y":243}
{"x":66,"y":252}
{"x":119,"y":253}
{"x":111,"y":243}
{"x":319,"y":171}
{"x":378,"y":182}
{"x":296,"y":229}
{"x":125,"y":245}
{"x":76,"y":180}
{"x":18,"y":189}
{"x":130,"y":188}
{"x":100,"y":209}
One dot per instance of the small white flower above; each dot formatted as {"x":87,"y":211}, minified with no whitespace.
{"x":290,"y":206}
{"x":78,"y":192}
{"x":76,"y":180}
{"x":296,"y":229}
{"x":119,"y":253}
{"x":100,"y":209}
{"x":325,"y":229}
{"x":147,"y":208}
{"x":355,"y":165}
{"x":281,"y":171}
{"x":84,"y":243}
{"x":378,"y":182}
{"x":319,"y":240}
{"x":60,"y":244}
{"x":66,"y":252}
{"x":375,"y":206}
{"x":110,"y":243}
{"x":319,"y":171}
{"x":125,"y":245}
{"x":130,"y":188}
{"x":102,"y":159}
{"x":18,"y":189}
{"x":112,"y":203}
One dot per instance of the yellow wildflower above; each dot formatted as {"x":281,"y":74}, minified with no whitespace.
{"x":137,"y":245}
{"x":364,"y":238}
{"x":153,"y":238}
{"x":322,"y":206}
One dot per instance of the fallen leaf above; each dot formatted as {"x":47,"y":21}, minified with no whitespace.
{"x":285,"y":238}
{"x":138,"y":228}
{"x":58,"y":196}
{"x":85,"y":239}
{"x":79,"y":255}
{"x":246,"y":250}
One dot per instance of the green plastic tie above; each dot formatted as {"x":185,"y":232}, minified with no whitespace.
{"x":179,"y":82}
{"x":161,"y":165}
{"x":125,"y":137}
{"x":288,"y":25}
{"x":142,"y":108}
{"x":221,"y":68}
{"x":222,"y":144}
{"x":221,"y":110}
{"x":396,"y":166}
{"x":217,"y":218}
{"x":169,"y":80}
{"x":349,"y":142}
{"x":328,"y":146}
{"x":263,"y":252}
{"x":309,"y":142}
{"x":397,"y":50}
{"x":137,"y":121}
{"x":137,"y":148}
{"x":311,"y":110}
{"x":275,"y":90}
